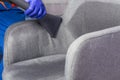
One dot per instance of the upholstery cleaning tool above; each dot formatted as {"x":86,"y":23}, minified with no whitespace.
{"x":50,"y":22}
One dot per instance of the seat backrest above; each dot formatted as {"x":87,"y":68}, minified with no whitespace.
{"x":95,"y":56}
{"x":83,"y":16}
{"x":55,"y":7}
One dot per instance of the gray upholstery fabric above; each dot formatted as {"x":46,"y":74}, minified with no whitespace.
{"x":45,"y":68}
{"x":81,"y":16}
{"x":27,"y":41}
{"x":55,"y":7}
{"x":95,"y":56}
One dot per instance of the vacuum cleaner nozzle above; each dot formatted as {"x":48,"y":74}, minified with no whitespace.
{"x":50,"y":22}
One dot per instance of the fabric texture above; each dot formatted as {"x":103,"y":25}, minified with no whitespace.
{"x":45,"y":68}
{"x":28,"y":40}
{"x":33,"y":42}
{"x":94,"y":56}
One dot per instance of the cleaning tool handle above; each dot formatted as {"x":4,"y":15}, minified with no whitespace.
{"x":21,"y":3}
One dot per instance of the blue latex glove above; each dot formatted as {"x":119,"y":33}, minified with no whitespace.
{"x":36,"y":9}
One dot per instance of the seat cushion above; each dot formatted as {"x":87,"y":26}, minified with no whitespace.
{"x":44,"y":68}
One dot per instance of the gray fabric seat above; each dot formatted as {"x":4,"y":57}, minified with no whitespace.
{"x":27,"y":42}
{"x":95,"y":56}
{"x":45,"y":68}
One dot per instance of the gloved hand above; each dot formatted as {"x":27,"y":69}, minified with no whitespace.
{"x":36,"y":9}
